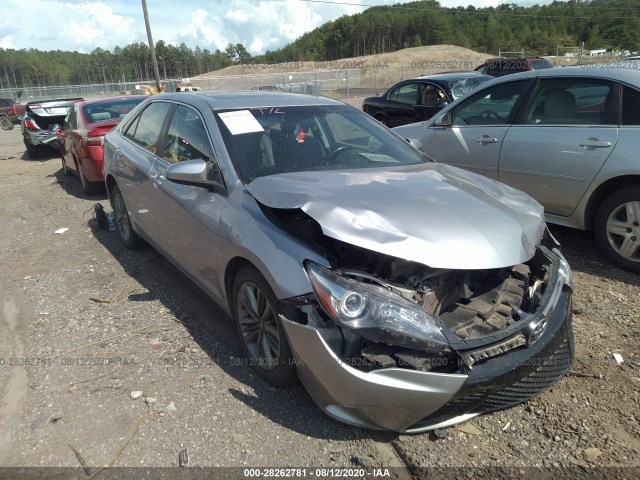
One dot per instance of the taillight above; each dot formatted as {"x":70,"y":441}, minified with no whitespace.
{"x":29,"y":124}
{"x":94,"y":138}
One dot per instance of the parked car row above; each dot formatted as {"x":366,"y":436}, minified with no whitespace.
{"x":81,"y":133}
{"x":404,"y":294}
{"x":568,"y":137}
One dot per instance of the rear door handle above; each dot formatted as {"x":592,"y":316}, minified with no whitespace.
{"x":594,"y":143}
{"x":486,"y":139}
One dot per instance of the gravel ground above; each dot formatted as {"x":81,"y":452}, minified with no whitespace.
{"x":95,"y":323}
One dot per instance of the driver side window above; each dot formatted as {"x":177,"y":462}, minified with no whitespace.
{"x":186,"y":138}
{"x":489,"y":107}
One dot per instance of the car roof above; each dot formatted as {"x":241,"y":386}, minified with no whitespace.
{"x":450,"y":76}
{"x":499,"y":59}
{"x":629,"y":73}
{"x":248,"y":99}
{"x":95,"y":101}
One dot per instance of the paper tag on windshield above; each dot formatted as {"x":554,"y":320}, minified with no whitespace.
{"x":241,"y":121}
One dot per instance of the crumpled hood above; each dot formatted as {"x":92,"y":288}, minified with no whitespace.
{"x":433,"y":214}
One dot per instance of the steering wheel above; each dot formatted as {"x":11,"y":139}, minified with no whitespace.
{"x":338,"y":151}
{"x":490,"y":114}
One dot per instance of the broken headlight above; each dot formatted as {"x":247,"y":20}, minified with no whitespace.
{"x":375,"y":312}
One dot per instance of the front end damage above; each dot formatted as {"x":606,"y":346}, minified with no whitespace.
{"x":387,"y":343}
{"x":442,"y":295}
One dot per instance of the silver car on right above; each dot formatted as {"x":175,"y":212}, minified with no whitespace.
{"x":568,"y":137}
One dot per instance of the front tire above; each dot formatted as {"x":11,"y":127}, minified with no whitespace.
{"x":255,"y":311}
{"x":617,"y":228}
{"x":123,"y":222}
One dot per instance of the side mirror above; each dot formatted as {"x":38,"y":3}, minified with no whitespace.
{"x":196,"y":173}
{"x":444,"y":120}
{"x":414,"y":143}
{"x":442,"y":103}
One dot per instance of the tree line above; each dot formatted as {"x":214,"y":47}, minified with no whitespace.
{"x":538,"y":30}
{"x":35,"y":68}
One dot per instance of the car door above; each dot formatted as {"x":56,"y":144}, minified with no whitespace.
{"x":431,"y":98}
{"x":567,"y":131}
{"x":400,"y":109}
{"x":478,"y":127}
{"x":136,"y":162}
{"x":188,"y":226}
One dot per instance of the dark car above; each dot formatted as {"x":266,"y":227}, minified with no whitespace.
{"x":39,"y":119}
{"x":80,"y":138}
{"x":497,"y":67}
{"x":405,"y":294}
{"x":419,"y":99}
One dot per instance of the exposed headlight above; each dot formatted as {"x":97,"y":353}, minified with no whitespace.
{"x":374,"y":312}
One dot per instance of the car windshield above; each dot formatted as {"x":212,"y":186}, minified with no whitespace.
{"x":461,"y":87}
{"x":107,"y":111}
{"x":269,"y":140}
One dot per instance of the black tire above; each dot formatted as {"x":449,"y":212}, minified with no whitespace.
{"x":261,"y":334}
{"x":6,"y":123}
{"x":617,"y":228}
{"x":65,"y":171}
{"x":123,"y":222}
{"x":89,"y":188}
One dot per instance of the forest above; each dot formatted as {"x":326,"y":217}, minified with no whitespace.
{"x":536,"y":30}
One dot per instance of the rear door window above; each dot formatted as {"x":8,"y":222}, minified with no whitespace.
{"x":407,"y":94}
{"x":572,"y":101}
{"x":630,"y":106}
{"x":186,"y":138}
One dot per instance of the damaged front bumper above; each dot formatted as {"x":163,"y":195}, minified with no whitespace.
{"x":406,"y":400}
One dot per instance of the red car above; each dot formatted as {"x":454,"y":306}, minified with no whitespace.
{"x":80,"y":137}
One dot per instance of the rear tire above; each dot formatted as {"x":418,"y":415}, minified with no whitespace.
{"x":123,"y":222}
{"x":6,"y":123}
{"x":617,"y":228}
{"x":89,"y":188}
{"x":65,"y":171}
{"x":32,"y":152}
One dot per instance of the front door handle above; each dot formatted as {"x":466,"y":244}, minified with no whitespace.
{"x":594,"y":143}
{"x":486,"y":139}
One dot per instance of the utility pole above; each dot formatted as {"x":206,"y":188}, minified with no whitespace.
{"x":152,"y":48}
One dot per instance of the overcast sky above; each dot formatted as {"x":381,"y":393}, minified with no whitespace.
{"x":259,"y":25}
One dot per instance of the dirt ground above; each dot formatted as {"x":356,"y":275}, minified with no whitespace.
{"x":85,"y":324}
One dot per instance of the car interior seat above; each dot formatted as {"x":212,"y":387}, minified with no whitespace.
{"x":295,"y":148}
{"x":559,"y":108}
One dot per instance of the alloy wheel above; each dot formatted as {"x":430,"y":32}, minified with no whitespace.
{"x":258,"y":326}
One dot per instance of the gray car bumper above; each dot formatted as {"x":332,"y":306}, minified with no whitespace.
{"x":414,"y":401}
{"x":390,"y":399}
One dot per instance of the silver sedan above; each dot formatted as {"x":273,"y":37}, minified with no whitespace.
{"x":568,"y":137}
{"x":405,"y":295}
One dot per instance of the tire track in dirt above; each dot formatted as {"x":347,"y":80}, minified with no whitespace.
{"x":15,"y":388}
